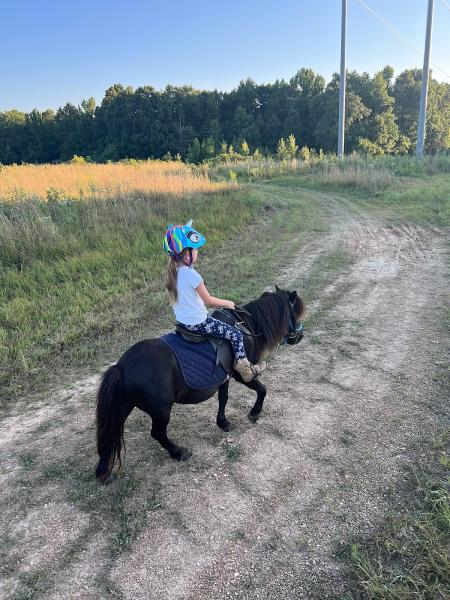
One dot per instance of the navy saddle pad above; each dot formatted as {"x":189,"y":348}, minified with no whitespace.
{"x":197,"y":362}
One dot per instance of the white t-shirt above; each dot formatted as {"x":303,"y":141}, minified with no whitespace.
{"x":190,"y":308}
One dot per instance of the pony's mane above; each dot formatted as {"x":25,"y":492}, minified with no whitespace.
{"x":270,"y":314}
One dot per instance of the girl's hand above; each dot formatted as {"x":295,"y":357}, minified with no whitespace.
{"x":212,"y":300}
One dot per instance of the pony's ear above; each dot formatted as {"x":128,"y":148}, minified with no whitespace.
{"x":189,"y":223}
{"x":293,"y":296}
{"x":277,"y":289}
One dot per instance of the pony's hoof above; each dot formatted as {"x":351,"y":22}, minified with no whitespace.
{"x":253,"y":418}
{"x":225,"y":425}
{"x":182,"y":454}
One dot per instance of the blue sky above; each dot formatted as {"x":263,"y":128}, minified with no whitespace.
{"x":52,"y":52}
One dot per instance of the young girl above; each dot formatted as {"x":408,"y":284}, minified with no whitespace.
{"x":189,"y":296}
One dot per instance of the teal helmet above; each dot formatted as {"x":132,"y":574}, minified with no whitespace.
{"x":180,"y":237}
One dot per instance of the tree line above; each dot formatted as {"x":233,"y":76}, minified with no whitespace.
{"x":381,"y":118}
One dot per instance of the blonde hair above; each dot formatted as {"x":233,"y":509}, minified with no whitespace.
{"x":171,"y":278}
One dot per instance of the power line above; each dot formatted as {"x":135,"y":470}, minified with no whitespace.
{"x":398,"y":34}
{"x":446,"y":4}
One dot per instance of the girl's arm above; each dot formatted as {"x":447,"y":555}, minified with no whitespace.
{"x":211,"y":300}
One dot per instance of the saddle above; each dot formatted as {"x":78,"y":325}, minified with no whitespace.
{"x":222,"y":348}
{"x":204,"y":361}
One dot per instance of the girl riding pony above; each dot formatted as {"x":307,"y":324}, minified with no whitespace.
{"x":189,"y":295}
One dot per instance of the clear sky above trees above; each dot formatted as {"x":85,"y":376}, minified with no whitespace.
{"x":52,"y":52}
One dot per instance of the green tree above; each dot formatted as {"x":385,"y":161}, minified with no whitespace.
{"x":215,"y":132}
{"x":282,"y":151}
{"x":244,"y":150}
{"x":207,"y":149}
{"x":291,"y":146}
{"x":307,"y":83}
{"x":304,"y":153}
{"x":326,"y":115}
{"x":368,"y":147}
{"x":379,"y":125}
{"x":194,"y":153}
{"x":12,"y":136}
{"x":403,"y":145}
{"x":381,"y":116}
{"x":293,"y":124}
{"x":406,"y":92}
{"x":273,"y":130}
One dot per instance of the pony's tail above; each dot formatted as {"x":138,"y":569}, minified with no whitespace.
{"x":110,"y":422}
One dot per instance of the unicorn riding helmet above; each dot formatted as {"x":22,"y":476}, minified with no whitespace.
{"x":180,"y":237}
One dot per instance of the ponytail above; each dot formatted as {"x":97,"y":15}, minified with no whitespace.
{"x":171,"y":279}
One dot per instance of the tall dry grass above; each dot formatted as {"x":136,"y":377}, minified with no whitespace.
{"x":350,"y":173}
{"x":355,"y":175}
{"x":84,"y":181}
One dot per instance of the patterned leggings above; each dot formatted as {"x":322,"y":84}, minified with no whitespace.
{"x":215,"y":328}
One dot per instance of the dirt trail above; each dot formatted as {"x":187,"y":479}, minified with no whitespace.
{"x":260,"y":512}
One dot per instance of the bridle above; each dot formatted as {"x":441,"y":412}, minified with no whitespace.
{"x":295,"y":330}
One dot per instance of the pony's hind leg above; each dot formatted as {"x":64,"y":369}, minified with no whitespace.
{"x":159,"y":433}
{"x":221,"y":420}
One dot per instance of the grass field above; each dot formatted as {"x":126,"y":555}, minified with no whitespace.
{"x":82,"y":181}
{"x":80,"y":281}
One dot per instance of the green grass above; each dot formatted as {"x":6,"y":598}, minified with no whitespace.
{"x":67,"y":271}
{"x":424,"y":201}
{"x":409,"y":557}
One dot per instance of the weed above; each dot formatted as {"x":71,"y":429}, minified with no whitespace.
{"x":233,"y":453}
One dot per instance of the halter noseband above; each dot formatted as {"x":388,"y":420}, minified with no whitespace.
{"x":295,"y":331}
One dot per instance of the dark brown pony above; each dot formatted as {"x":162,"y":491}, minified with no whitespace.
{"x":148,"y":377}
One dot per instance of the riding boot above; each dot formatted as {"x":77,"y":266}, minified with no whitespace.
{"x":248,"y":371}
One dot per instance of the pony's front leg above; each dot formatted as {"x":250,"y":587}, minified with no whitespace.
{"x":260,"y":389}
{"x":221,"y":420}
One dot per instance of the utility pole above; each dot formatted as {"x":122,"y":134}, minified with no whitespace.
{"x":342,"y":82}
{"x":425,"y":78}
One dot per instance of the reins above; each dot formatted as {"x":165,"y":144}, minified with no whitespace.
{"x":240,"y":309}
{"x":293,"y":329}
